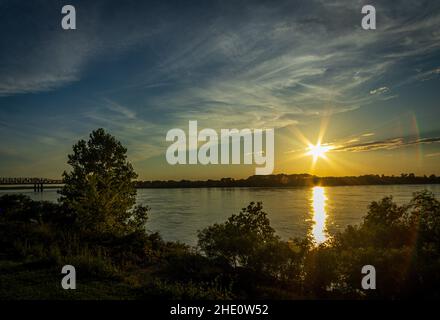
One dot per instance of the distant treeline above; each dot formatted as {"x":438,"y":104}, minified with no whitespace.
{"x":293,"y":180}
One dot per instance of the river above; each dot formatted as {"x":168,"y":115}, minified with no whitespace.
{"x":294,"y":212}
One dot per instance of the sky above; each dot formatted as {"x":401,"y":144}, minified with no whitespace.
{"x":140,"y":68}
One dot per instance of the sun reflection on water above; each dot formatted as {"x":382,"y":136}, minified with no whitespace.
{"x":319,"y":218}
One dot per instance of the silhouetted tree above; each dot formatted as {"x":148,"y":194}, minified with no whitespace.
{"x":100,"y":188}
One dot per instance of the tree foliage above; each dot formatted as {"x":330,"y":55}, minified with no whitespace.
{"x":240,"y":237}
{"x":100,"y":187}
{"x":248,"y":241}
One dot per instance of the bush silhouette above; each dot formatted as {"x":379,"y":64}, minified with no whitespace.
{"x":240,"y":237}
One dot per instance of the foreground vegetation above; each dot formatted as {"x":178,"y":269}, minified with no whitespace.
{"x":97,"y":228}
{"x":240,"y":258}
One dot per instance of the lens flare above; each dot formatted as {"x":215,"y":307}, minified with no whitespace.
{"x":318,"y":151}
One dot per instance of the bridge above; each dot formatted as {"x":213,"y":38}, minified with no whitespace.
{"x":36,"y":183}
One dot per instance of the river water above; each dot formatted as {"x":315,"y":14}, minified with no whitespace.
{"x":294,"y":212}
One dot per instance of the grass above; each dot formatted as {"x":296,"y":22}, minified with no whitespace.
{"x":41,"y":281}
{"x":33,"y":281}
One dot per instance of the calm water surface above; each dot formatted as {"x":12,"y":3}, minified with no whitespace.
{"x":294,"y":212}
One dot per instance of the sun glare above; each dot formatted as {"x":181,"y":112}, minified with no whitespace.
{"x":318,"y":151}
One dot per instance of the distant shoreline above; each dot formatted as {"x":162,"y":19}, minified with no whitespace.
{"x":2,"y":188}
{"x":271,"y":181}
{"x":293,"y":180}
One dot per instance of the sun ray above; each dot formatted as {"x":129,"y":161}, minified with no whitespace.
{"x":318,"y":151}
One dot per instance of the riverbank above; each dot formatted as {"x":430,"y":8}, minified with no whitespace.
{"x":241,"y":258}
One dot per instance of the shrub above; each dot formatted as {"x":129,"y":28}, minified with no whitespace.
{"x":240,"y":237}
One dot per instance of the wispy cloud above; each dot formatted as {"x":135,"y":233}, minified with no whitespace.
{"x":387,"y":144}
{"x":435,"y":154}
{"x":121,"y":110}
{"x":428,"y":75}
{"x":380,"y":90}
{"x":39,"y":56}
{"x":274,"y":65}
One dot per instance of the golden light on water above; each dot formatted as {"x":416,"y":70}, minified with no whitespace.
{"x":319,"y":218}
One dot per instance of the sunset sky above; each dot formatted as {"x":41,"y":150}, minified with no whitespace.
{"x":305,"y":68}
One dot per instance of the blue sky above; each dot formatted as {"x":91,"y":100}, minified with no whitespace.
{"x":139,"y":69}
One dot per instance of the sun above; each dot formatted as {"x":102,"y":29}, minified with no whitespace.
{"x":318,"y":151}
